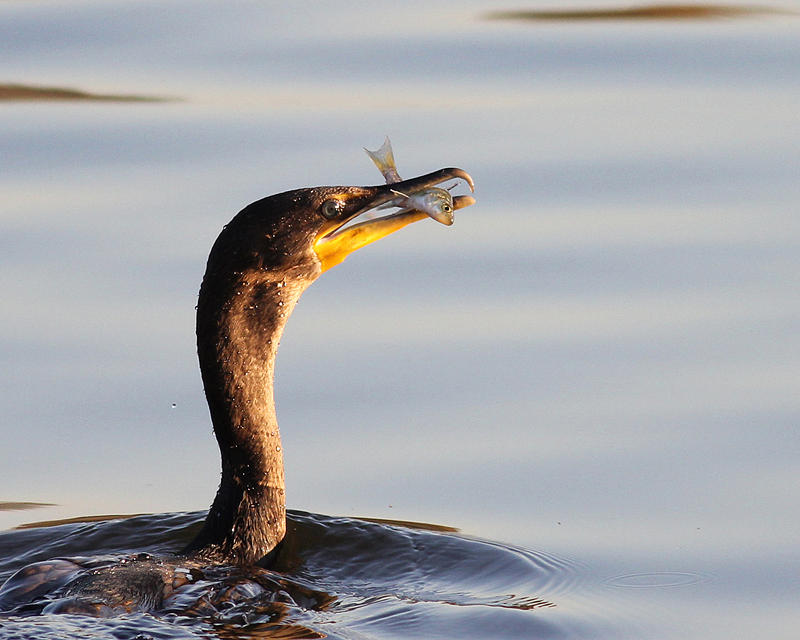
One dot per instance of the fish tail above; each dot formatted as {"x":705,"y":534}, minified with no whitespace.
{"x":384,"y":160}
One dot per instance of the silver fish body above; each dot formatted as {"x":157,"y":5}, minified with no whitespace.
{"x":434,"y":201}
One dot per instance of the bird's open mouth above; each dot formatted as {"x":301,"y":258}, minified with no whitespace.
{"x":339,"y":237}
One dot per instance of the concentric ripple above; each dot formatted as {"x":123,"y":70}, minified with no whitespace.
{"x":333,"y":577}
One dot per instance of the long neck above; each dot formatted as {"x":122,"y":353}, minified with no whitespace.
{"x":240,"y":319}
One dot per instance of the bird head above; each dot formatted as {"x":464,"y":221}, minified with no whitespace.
{"x":300,"y":234}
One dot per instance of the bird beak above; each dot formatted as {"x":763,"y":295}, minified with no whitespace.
{"x":337,"y":240}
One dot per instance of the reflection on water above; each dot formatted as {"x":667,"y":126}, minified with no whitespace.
{"x":644,"y":12}
{"x":22,"y":93}
{"x":425,"y":526}
{"x":332,"y":577}
{"x":23,"y":506}
{"x":76,"y":519}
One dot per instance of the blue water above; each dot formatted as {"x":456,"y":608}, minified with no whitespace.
{"x":598,"y":362}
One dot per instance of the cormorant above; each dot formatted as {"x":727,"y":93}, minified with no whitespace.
{"x":259,"y":266}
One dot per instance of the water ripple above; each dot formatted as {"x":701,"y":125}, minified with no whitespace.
{"x":657,"y":580}
{"x":332,"y":576}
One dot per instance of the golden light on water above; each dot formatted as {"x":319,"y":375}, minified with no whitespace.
{"x":643,"y":12}
{"x":23,"y":92}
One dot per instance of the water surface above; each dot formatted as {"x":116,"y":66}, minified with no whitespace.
{"x":598,"y":362}
{"x":333,"y":577}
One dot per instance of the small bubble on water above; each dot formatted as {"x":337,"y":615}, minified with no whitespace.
{"x":174,"y":405}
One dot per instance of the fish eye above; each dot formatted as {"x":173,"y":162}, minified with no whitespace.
{"x":332,"y":208}
{"x":446,"y":207}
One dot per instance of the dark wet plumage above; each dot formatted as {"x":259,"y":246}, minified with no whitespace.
{"x":259,"y":266}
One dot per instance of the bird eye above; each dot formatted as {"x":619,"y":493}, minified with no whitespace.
{"x":332,"y":208}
